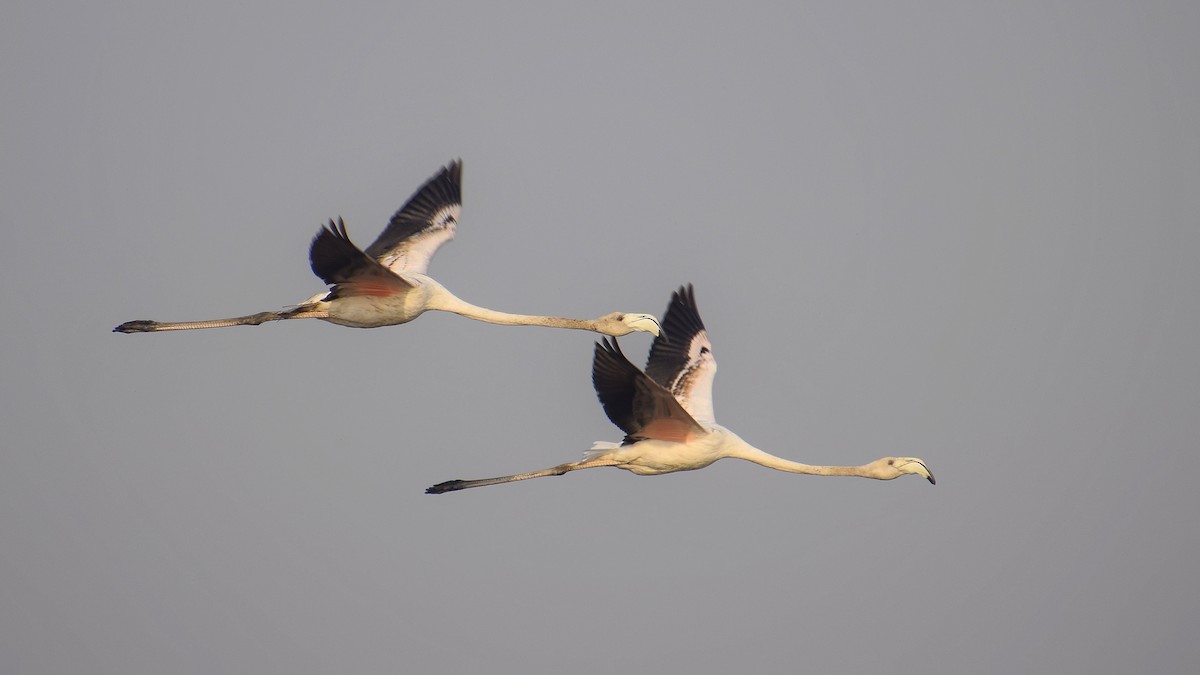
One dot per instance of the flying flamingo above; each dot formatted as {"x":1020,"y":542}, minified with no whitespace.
{"x":388,"y":285}
{"x":666,"y":413}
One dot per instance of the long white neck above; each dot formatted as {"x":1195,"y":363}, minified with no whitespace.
{"x":739,"y":449}
{"x":444,"y":300}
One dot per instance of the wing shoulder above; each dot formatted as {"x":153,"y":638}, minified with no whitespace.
{"x":638,"y":405}
{"x":339,"y":262}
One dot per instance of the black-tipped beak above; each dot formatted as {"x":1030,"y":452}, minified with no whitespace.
{"x":928,"y":473}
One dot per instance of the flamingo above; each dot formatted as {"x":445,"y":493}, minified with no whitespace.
{"x":666,"y":413}
{"x":388,"y":285}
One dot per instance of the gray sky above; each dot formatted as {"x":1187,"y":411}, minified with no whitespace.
{"x":963,"y":233}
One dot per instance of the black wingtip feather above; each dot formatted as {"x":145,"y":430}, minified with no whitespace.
{"x":682,"y":322}
{"x":441,"y":190}
{"x":613,"y":379}
{"x":332,"y":252}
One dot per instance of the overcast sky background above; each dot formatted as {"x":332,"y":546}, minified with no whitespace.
{"x":963,"y":233}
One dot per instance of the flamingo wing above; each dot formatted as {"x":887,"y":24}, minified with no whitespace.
{"x":426,"y":221}
{"x":638,"y":405}
{"x":344,"y":266}
{"x":681,"y":359}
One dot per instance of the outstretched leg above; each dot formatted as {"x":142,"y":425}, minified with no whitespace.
{"x":144,"y":326}
{"x":452,"y":485}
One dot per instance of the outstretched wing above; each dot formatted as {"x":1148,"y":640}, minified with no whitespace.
{"x":344,"y":266}
{"x":681,"y":359}
{"x":635,"y":403}
{"x":426,"y":221}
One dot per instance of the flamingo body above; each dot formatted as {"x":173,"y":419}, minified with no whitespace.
{"x":387,"y":284}
{"x":666,"y":413}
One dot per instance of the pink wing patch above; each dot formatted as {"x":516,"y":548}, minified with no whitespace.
{"x":379,"y":287}
{"x":668,"y":429}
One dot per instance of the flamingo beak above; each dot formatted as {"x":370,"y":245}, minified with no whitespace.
{"x":644,"y":322}
{"x":922,"y":470}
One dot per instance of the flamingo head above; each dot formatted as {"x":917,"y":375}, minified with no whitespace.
{"x":624,"y":323}
{"x":894,"y":467}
